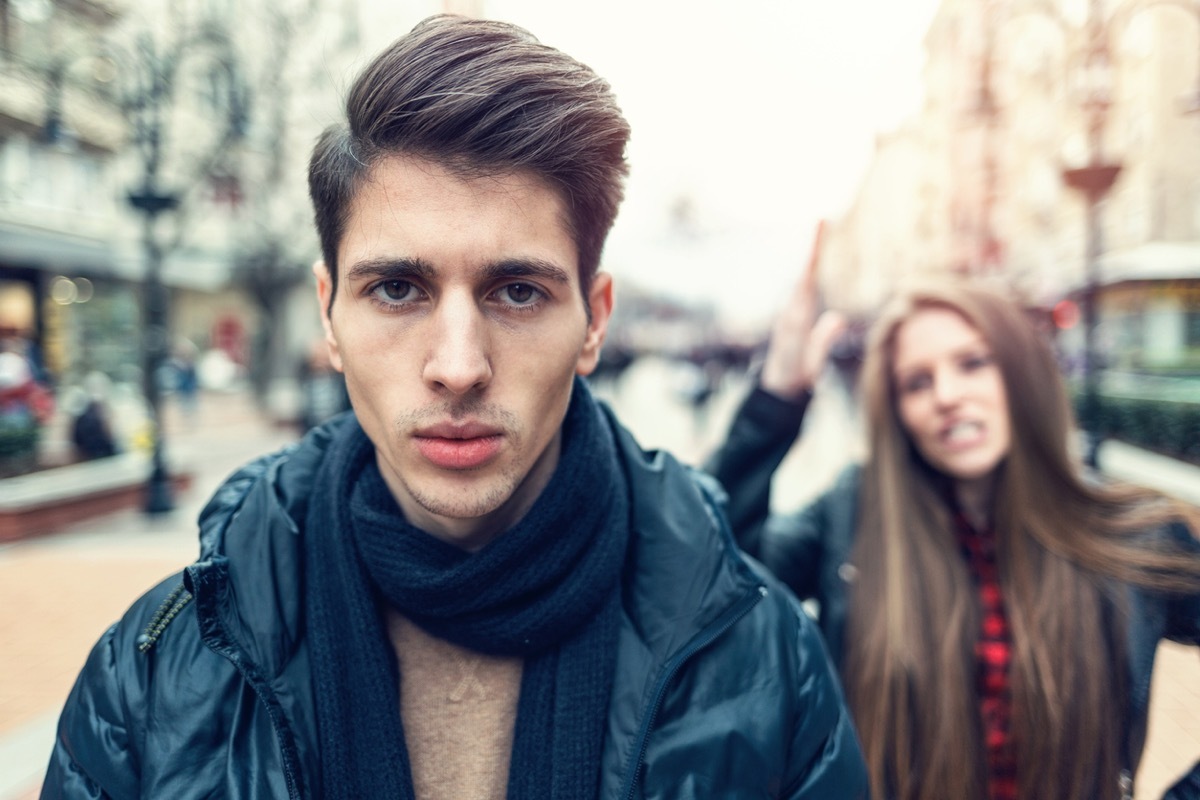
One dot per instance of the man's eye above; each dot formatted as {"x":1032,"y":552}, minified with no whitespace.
{"x":520,"y":294}
{"x":395,"y":291}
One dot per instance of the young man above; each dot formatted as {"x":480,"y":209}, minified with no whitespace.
{"x":476,"y":585}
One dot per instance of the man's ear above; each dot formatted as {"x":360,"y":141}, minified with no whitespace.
{"x":324,"y":295}
{"x":600,"y":300}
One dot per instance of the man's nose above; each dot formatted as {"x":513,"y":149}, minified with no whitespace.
{"x":459,"y":354}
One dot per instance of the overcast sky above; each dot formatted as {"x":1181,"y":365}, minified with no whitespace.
{"x":762,"y":113}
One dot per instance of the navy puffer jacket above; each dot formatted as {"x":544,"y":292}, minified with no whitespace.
{"x":723,"y":686}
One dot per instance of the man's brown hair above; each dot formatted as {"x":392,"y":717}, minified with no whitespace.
{"x":479,"y":97}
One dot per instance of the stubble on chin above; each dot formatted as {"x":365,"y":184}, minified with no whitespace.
{"x":465,"y":502}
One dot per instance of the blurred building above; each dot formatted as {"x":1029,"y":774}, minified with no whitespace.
{"x":59,"y":141}
{"x":885,"y":232}
{"x":71,"y":250}
{"x":236,"y":92}
{"x":1016,"y":96}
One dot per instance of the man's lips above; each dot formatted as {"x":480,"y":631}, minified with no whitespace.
{"x":458,"y":446}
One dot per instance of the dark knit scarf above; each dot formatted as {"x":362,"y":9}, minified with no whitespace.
{"x":547,"y":590}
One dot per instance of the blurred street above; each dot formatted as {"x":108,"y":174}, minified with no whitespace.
{"x":59,"y":592}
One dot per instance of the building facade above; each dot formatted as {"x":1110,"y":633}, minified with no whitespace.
{"x":1018,"y":95}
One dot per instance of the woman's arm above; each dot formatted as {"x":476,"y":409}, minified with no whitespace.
{"x":1183,"y":625}
{"x":762,"y":432}
{"x":767,"y":425}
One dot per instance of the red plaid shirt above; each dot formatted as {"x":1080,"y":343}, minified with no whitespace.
{"x":993,"y":654}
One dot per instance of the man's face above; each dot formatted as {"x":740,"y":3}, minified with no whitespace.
{"x":459,"y":324}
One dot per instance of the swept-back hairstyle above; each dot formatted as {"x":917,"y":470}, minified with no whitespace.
{"x":910,"y":666}
{"x":479,"y":97}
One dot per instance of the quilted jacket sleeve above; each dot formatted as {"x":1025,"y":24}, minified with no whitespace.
{"x":101,"y":728}
{"x":825,"y":757}
{"x":93,"y":754}
{"x":789,"y":545}
{"x":763,"y":430}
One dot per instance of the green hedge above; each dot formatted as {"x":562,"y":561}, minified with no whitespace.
{"x":17,"y":441}
{"x":18,"y":450}
{"x":1170,"y":427}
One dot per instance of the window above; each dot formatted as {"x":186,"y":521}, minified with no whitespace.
{"x":1192,"y":329}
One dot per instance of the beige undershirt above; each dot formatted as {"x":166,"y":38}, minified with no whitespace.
{"x":459,"y":709}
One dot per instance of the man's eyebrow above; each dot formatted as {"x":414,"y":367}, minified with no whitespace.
{"x":526,"y":268}
{"x":390,"y":268}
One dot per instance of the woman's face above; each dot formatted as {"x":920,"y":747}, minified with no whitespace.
{"x":950,"y":394}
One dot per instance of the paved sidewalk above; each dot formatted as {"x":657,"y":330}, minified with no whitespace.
{"x":60,"y":591}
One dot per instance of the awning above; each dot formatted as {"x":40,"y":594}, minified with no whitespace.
{"x":29,"y":247}
{"x":59,"y":252}
{"x":1153,"y":261}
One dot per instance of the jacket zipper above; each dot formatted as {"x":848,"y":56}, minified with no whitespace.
{"x":256,"y":684}
{"x":167,"y":611}
{"x":698,"y":642}
{"x":272,"y":714}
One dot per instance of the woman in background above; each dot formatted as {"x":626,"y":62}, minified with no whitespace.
{"x":993,"y":610}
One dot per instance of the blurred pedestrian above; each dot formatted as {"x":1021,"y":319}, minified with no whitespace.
{"x":92,"y":429}
{"x":476,"y":585}
{"x":322,"y":387}
{"x":26,"y":406}
{"x":993,"y":608}
{"x":700,"y":382}
{"x":186,"y":378}
{"x":19,"y":340}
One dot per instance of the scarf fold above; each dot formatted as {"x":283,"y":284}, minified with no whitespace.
{"x":547,"y":590}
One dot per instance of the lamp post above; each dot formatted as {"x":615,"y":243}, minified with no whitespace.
{"x":149,"y":94}
{"x":150,"y":201}
{"x":1094,"y":180}
{"x":154,"y":95}
{"x":153,"y":90}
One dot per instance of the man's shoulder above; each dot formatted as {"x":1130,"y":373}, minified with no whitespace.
{"x":161,"y":626}
{"x":779,"y":605}
{"x":122,"y":662}
{"x":277,"y":484}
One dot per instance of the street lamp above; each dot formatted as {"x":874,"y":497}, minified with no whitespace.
{"x":1094,"y":180}
{"x":987,"y":249}
{"x":153,"y":95}
{"x":151,"y":91}
{"x":150,"y":201}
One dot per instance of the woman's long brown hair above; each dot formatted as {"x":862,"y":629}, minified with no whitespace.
{"x":1061,"y":538}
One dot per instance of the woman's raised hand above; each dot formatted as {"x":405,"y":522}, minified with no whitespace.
{"x":800,"y":339}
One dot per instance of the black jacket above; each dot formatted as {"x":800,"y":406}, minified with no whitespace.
{"x":203,"y":689}
{"x":810,"y":552}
